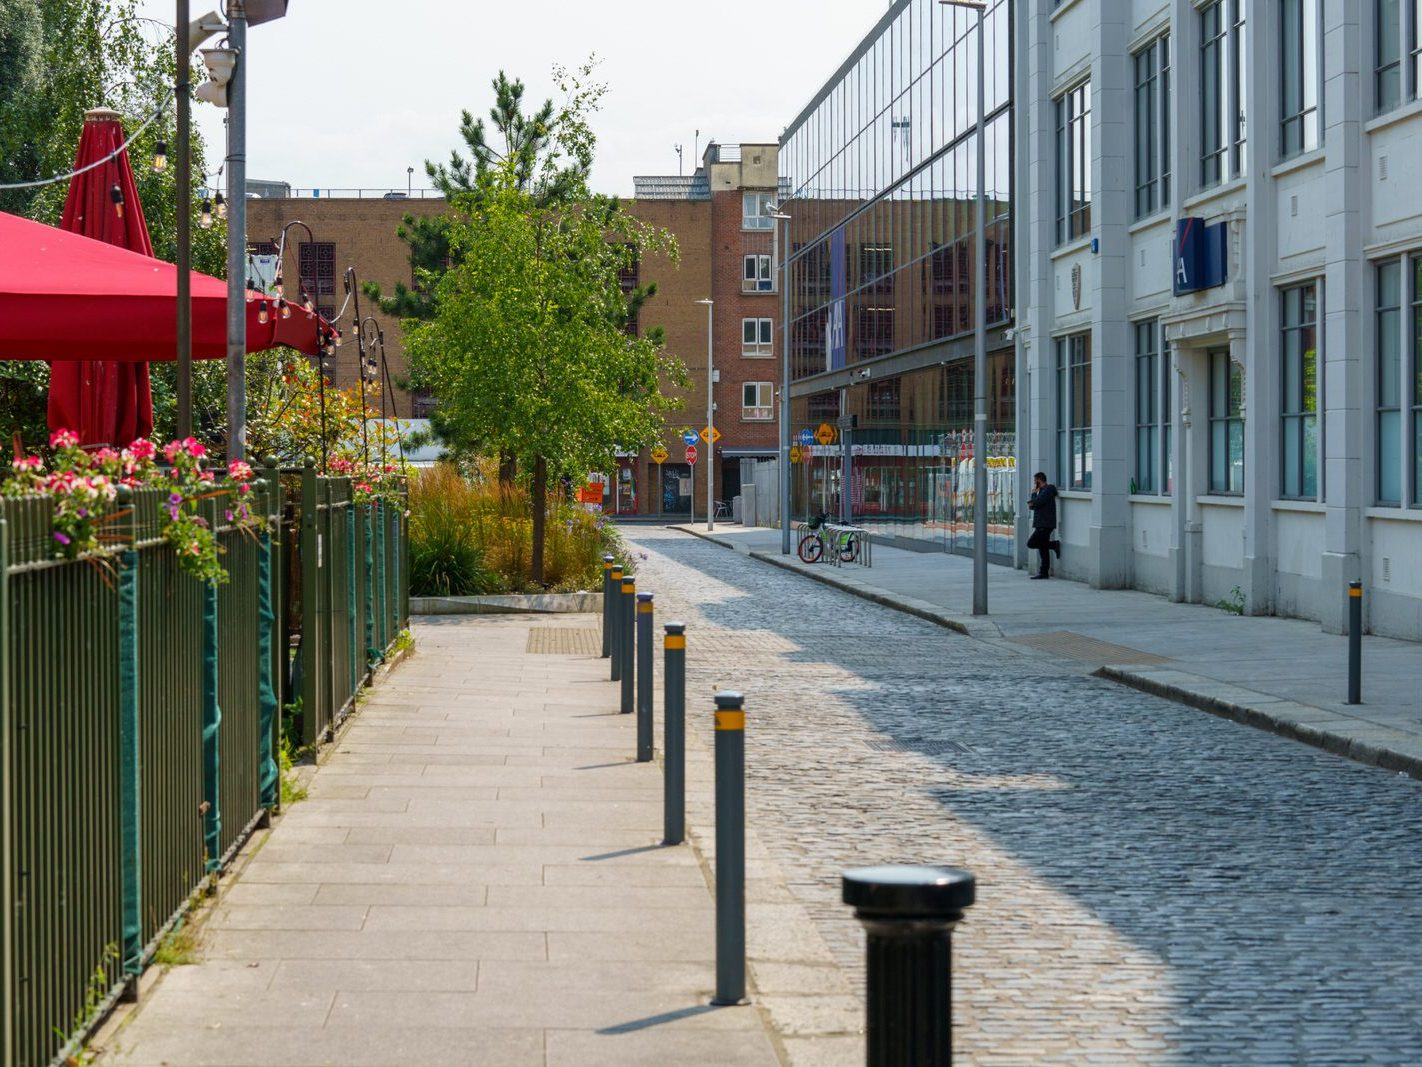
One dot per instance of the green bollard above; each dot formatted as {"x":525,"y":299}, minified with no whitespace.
{"x":606,"y":605}
{"x":674,"y":766}
{"x":614,"y":621}
{"x":644,"y":677}
{"x":730,"y":849}
{"x":628,"y":640}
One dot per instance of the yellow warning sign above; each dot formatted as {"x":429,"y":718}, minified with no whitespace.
{"x":715,"y":435}
{"x":659,"y":454}
{"x":795,"y":454}
{"x":825,"y":434}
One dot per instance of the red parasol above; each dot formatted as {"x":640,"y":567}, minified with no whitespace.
{"x":64,"y":297}
{"x":103,"y":402}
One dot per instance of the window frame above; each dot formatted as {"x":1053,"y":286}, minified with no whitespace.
{"x":761,"y":277}
{"x":1223,"y":67}
{"x":1153,"y":460}
{"x":1074,"y":429}
{"x":1230,"y":421}
{"x":1300,"y":119}
{"x":1389,"y":322}
{"x":1073,"y":162}
{"x":1152,"y":103}
{"x":1412,"y":368}
{"x":762,"y":345}
{"x":756,"y":221}
{"x":1385,"y":29}
{"x":1298,"y":424}
{"x":752,"y":412}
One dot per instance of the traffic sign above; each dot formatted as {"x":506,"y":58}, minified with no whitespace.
{"x":691,"y":454}
{"x":807,"y":437}
{"x":795,"y":454}
{"x":689,"y":437}
{"x":825,"y":434}
{"x":715,"y":435}
{"x":659,"y":455}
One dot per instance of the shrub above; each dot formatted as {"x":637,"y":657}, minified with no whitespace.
{"x":445,"y":558}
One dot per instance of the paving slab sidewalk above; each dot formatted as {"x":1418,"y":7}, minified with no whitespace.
{"x":1283,"y":675}
{"x":476,"y":878}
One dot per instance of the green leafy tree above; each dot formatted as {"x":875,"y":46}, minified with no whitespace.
{"x":527,"y":349}
{"x":58,"y":59}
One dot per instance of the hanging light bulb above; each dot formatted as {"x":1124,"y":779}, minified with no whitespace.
{"x":221,"y":202}
{"x":116,"y":195}
{"x":331,"y":345}
{"x":205,"y":214}
{"x":160,"y":157}
{"x":285,"y":309}
{"x":306,"y":302}
{"x":338,"y":339}
{"x":277,"y":287}
{"x":262,"y":315}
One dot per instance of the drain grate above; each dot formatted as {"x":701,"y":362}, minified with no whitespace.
{"x":564,"y":641}
{"x":923,"y":747}
{"x":1087,"y":649}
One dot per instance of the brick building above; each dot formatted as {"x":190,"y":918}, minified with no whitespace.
{"x":353,"y":228}
{"x":728,"y":252}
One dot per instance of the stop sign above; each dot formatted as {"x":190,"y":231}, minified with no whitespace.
{"x":691,"y":453}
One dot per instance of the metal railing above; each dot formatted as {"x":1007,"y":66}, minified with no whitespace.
{"x":354,"y":193}
{"x":140,"y":727}
{"x":838,"y":544}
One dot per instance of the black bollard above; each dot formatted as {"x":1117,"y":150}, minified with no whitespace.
{"x":614,"y":622}
{"x":628,"y":639}
{"x":1355,"y":642}
{"x":606,"y":605}
{"x":908,"y":915}
{"x":644,"y":677}
{"x":674,"y":741}
{"x":730,"y":849}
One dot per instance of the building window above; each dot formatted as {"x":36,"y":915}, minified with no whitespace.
{"x":1074,"y":411}
{"x":1148,"y":412}
{"x":1389,"y":54}
{"x":1298,"y":105}
{"x":1389,"y":383}
{"x":754,"y":208}
{"x":883,"y":403}
{"x":757,"y":337}
{"x":874,"y":335}
{"x":1415,"y":377}
{"x":1226,"y":424}
{"x":1153,"y":126}
{"x":1299,"y":407}
{"x":757,"y":399}
{"x":876,"y":268}
{"x":1222,"y":77}
{"x":757,"y":278}
{"x":1074,"y":163}
{"x":317,"y":265}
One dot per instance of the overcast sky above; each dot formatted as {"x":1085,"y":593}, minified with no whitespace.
{"x":347,"y":93}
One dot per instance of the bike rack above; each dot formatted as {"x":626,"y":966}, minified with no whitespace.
{"x":830,"y":534}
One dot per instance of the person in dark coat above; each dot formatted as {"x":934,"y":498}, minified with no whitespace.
{"x":1043,"y":503}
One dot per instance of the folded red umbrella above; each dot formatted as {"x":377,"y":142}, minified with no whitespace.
{"x":67,"y":297}
{"x":103,"y":402}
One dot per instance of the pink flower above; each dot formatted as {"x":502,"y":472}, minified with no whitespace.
{"x":171,"y":449}
{"x":28,"y":463}
{"x":143,"y":449}
{"x":194,"y":447}
{"x":63,"y":439}
{"x":239,"y":471}
{"x":244,"y":489}
{"x":106,"y":455}
{"x":364,"y":487}
{"x":204,"y":476}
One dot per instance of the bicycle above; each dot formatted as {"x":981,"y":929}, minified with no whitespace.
{"x":812,"y":545}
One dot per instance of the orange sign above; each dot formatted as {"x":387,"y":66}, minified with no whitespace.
{"x":590,"y":493}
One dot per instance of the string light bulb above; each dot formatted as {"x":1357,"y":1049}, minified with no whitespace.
{"x":262,"y":315}
{"x":205,"y":214}
{"x":331,"y":343}
{"x":160,"y":157}
{"x":285,"y":309}
{"x":116,"y":195}
{"x":306,"y":302}
{"x":221,"y":202}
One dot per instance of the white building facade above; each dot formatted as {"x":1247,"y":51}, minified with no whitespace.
{"x":1219,"y":291}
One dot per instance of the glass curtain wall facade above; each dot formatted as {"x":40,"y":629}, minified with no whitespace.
{"x":881,"y":171}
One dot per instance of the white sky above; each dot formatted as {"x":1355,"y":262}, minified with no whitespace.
{"x":386,"y":80}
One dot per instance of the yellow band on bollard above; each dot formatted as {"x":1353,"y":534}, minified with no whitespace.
{"x":629,"y":589}
{"x":617,"y":574}
{"x":644,"y":609}
{"x":675,"y":642}
{"x":730,"y":720}
{"x":607,"y":566}
{"x":1355,"y":592}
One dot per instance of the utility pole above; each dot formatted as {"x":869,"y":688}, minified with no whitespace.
{"x":237,"y":234}
{"x":184,"y":220}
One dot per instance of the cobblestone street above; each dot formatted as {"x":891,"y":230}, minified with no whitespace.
{"x":1155,"y":885}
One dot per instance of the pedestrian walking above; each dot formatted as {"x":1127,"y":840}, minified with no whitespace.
{"x":1043,"y":503}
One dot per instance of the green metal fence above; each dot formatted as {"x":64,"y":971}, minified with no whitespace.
{"x":140,"y":723}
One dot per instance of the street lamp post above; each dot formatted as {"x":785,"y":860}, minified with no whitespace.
{"x":710,"y":421}
{"x":184,"y":222}
{"x":980,"y":493}
{"x":779,"y":216}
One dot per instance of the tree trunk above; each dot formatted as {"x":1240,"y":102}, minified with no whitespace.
{"x":539,"y":500}
{"x":508,"y":468}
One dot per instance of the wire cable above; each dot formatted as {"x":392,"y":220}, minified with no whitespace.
{"x":157,"y":114}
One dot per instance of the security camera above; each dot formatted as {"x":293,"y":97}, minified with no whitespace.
{"x":1010,"y":335}
{"x":865,"y":373}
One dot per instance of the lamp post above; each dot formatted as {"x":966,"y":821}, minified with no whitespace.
{"x":980,"y":530}
{"x":184,"y":221}
{"x":710,"y":420}
{"x":779,"y":216}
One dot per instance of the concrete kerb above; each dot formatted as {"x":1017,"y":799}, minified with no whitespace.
{"x":1258,"y":710}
